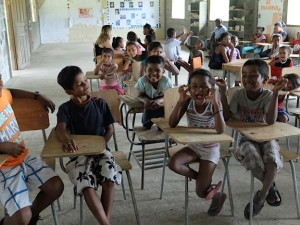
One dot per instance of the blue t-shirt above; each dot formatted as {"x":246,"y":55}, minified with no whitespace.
{"x":144,"y":85}
{"x":90,"y":118}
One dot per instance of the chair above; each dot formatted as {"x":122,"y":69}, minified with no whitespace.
{"x":31,"y":116}
{"x":171,"y":97}
{"x":111,"y":97}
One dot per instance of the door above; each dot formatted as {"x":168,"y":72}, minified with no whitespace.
{"x":21,"y":33}
{"x":269,"y":12}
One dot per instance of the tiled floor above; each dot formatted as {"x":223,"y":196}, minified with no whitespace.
{"x":41,"y":75}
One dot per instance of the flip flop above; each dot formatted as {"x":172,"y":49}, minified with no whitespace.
{"x":216,"y":204}
{"x":271,"y":198}
{"x":256,"y":207}
{"x":213,"y":189}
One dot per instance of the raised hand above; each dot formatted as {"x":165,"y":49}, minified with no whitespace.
{"x":221,"y":84}
{"x":183,"y":90}
{"x":280,"y":85}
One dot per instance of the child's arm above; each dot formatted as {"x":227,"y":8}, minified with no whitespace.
{"x":271,"y":115}
{"x":217,"y":108}
{"x":226,"y":109}
{"x":187,"y":38}
{"x":43,"y":100}
{"x":148,"y":103}
{"x":69,"y":145}
{"x":111,"y":74}
{"x":273,"y":61}
{"x":238,"y":54}
{"x":11,"y":148}
{"x":171,"y":66}
{"x":108,"y":133}
{"x":97,"y":70}
{"x":183,"y":33}
{"x":180,"y":107}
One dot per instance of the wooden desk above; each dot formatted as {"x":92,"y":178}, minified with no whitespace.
{"x":90,"y":75}
{"x":88,"y":145}
{"x":191,"y":135}
{"x":263,"y":44}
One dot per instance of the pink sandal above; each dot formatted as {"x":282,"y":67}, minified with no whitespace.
{"x":213,"y":189}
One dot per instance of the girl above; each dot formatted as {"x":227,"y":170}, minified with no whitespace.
{"x":108,"y":72}
{"x":147,"y":41}
{"x":203,"y":110}
{"x":196,"y":50}
{"x":118,"y":44}
{"x":271,"y":53}
{"x":278,"y":29}
{"x":258,"y":37}
{"x":235,"y":76}
{"x":155,"y":48}
{"x":132,"y":57}
{"x":132,"y":37}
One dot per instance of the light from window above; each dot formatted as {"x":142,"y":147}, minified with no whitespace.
{"x":178,"y":9}
{"x":293,"y":13}
{"x":219,"y":9}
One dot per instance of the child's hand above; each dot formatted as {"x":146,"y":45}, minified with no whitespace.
{"x":221,"y":84}
{"x":101,"y":77}
{"x":12,"y":149}
{"x":183,"y":90}
{"x":185,"y":30}
{"x":279,"y":85}
{"x":46,"y":102}
{"x":151,"y":104}
{"x":212,"y":96}
{"x":70,"y":146}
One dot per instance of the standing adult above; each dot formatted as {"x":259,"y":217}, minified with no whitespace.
{"x":147,"y":30}
{"x":278,"y":29}
{"x":215,"y":36}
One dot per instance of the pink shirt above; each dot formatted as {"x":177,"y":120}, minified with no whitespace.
{"x":105,"y":69}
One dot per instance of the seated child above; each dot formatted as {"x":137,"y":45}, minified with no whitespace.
{"x":203,"y":110}
{"x":282,"y":60}
{"x":118,"y":44}
{"x":23,"y":172}
{"x":253,"y":103}
{"x":132,"y":37}
{"x":273,"y":52}
{"x":195,"y":51}
{"x":295,"y":44}
{"x":87,"y":115}
{"x":108,"y":72}
{"x":155,"y":48}
{"x":147,"y":41}
{"x":235,"y":77}
{"x":151,"y":89}
{"x":172,"y":47}
{"x":258,"y":37}
{"x":132,"y":56}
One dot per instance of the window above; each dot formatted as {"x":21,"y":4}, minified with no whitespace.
{"x":293,"y":13}
{"x":219,"y":9}
{"x":178,"y":9}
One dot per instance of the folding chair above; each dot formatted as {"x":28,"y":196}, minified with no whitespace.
{"x":111,"y":97}
{"x":31,"y":116}
{"x":171,"y":97}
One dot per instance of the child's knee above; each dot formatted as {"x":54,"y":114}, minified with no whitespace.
{"x":23,"y":216}
{"x":172,"y":164}
{"x":54,"y":187}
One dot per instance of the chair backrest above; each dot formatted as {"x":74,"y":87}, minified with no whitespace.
{"x":171,"y":97}
{"x":197,"y":63}
{"x":136,"y":70}
{"x":30,"y":114}
{"x":118,"y":59}
{"x":293,"y":69}
{"x":113,"y":101}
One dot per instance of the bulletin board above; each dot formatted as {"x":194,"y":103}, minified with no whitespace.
{"x":133,"y":14}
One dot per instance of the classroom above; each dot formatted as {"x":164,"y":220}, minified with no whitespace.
{"x":39,"y":38}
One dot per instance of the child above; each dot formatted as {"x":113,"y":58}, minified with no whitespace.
{"x":172,"y":47}
{"x":108,"y":72}
{"x":276,"y":43}
{"x":278,"y":62}
{"x":203,"y":110}
{"x":83,"y":114}
{"x":222,"y":53}
{"x":151,"y":89}
{"x":295,"y":44}
{"x":195,"y":51}
{"x":147,"y":41}
{"x":132,"y":37}
{"x":235,"y":76}
{"x":253,"y":103}
{"x":23,"y":172}
{"x":118,"y":44}
{"x":155,"y":48}
{"x":132,"y":56}
{"x":258,"y":37}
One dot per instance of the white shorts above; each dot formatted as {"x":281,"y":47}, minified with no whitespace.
{"x":16,"y":182}
{"x":207,"y":152}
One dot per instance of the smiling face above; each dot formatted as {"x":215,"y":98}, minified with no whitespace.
{"x":80,"y":86}
{"x":252,"y":79}
{"x":199,"y":88}
{"x":131,"y":51}
{"x":154,"y":72}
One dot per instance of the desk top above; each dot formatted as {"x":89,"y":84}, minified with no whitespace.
{"x":191,"y":135}
{"x":131,"y":101}
{"x":88,"y":145}
{"x":3,"y":158}
{"x":91,"y":75}
{"x":294,"y":55}
{"x":236,"y":65}
{"x":265,"y":132}
{"x":263,"y":43}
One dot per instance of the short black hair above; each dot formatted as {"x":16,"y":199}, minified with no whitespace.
{"x":108,"y":50}
{"x":294,"y":78}
{"x":219,"y":20}
{"x":261,"y":65}
{"x":261,"y":28}
{"x":154,"y":45}
{"x":116,"y":41}
{"x":204,"y":73}
{"x":131,"y":36}
{"x":170,"y":32}
{"x":223,"y":35}
{"x":286,"y":47}
{"x":147,"y":26}
{"x":129,"y":43}
{"x":155,"y":59}
{"x":67,"y":76}
{"x":150,"y":38}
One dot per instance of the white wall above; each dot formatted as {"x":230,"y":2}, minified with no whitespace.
{"x":59,"y":24}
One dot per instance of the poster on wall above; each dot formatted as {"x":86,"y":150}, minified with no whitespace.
{"x":269,"y":13}
{"x":133,"y":14}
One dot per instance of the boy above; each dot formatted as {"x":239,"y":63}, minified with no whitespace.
{"x":21,"y":171}
{"x":278,"y":62}
{"x":151,"y":89}
{"x":253,"y":103}
{"x":83,"y":114}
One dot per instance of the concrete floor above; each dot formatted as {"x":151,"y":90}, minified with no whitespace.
{"x":41,"y":75}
